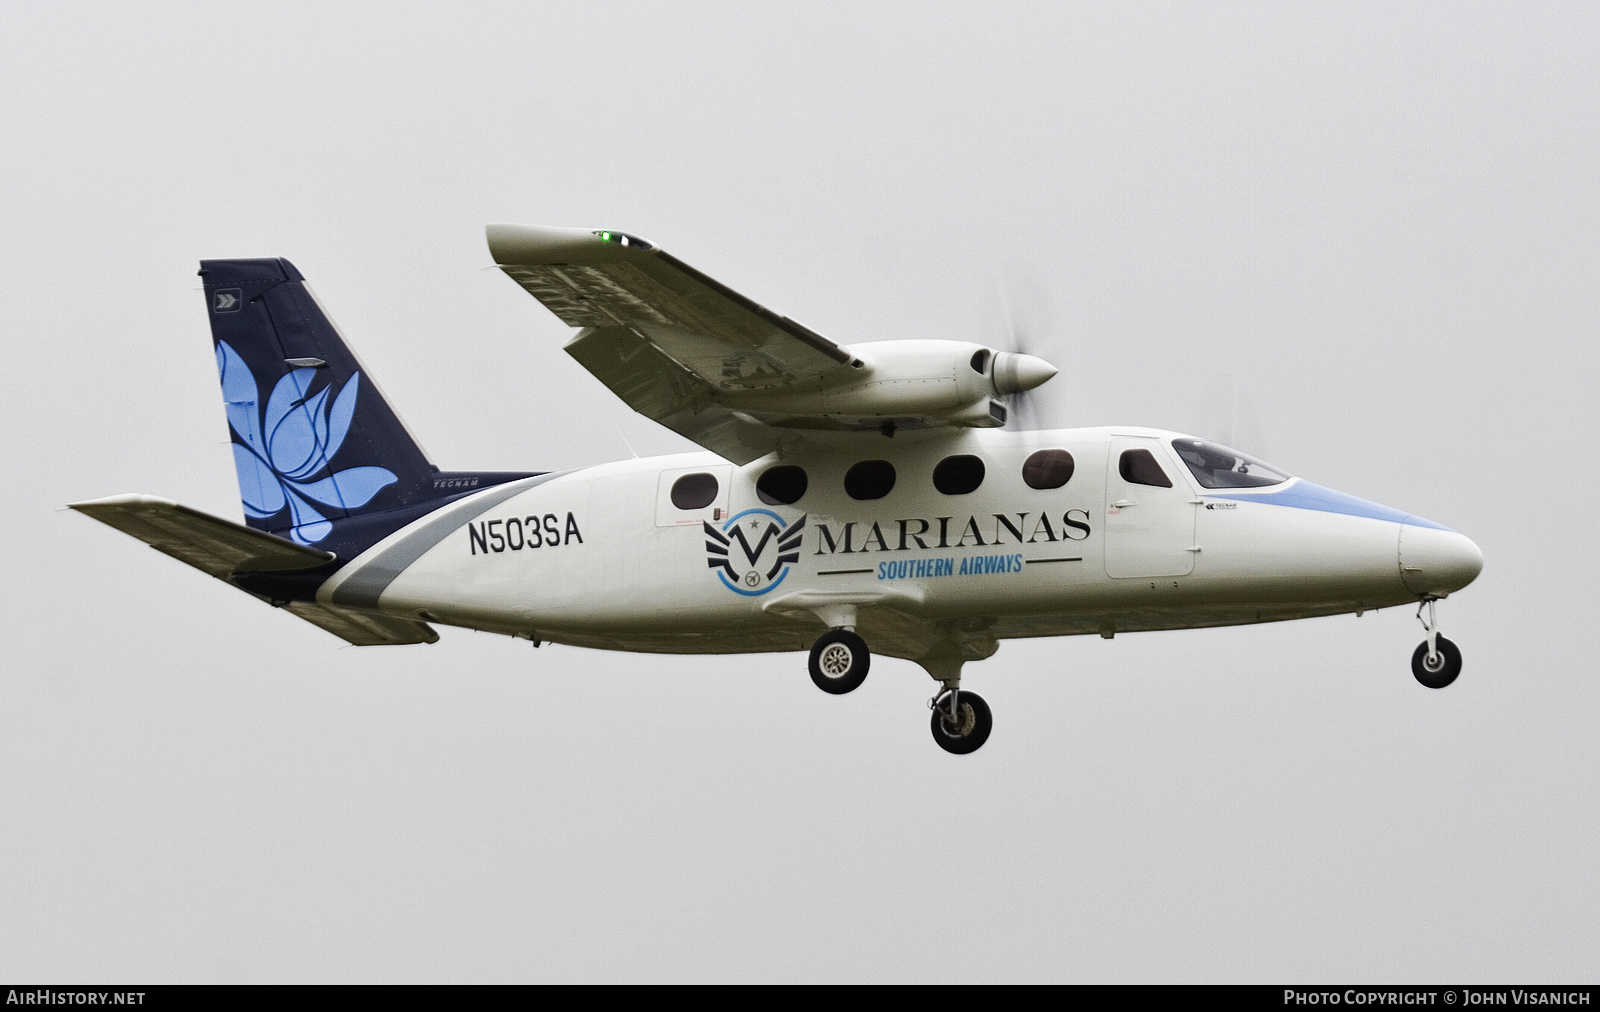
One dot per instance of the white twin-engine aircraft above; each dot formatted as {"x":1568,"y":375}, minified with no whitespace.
{"x":851,"y":498}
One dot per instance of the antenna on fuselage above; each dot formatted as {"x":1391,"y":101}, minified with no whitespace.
{"x":634,"y":453}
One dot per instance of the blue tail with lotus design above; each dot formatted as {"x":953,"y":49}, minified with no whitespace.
{"x":314,"y":441}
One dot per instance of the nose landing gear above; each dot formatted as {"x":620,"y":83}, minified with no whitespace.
{"x":1436,"y":661}
{"x":961,"y":721}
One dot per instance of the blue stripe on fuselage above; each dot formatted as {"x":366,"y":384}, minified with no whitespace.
{"x":1305,"y":495}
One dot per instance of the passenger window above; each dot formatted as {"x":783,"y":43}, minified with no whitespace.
{"x":781,"y":485}
{"x":694,"y":491}
{"x":1047,"y":469}
{"x":1140,"y":468}
{"x":959,"y":474}
{"x":869,"y":479}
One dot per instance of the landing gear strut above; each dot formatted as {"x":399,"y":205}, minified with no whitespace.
{"x":839,"y":661}
{"x":960,"y":721}
{"x":1437,"y":661}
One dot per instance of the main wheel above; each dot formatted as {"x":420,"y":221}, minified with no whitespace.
{"x":839,"y":661}
{"x":971,"y":726}
{"x":1446,"y":666}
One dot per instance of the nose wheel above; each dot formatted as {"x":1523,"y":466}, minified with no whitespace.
{"x":1436,"y":661}
{"x":961,"y":721}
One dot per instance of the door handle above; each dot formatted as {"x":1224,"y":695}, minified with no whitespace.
{"x":1123,"y":504}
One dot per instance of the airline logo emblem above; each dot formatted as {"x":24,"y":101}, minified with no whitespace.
{"x":753,"y":551}
{"x":227,"y":300}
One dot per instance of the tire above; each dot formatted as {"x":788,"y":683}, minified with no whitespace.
{"x":839,"y":661}
{"x":1449,"y":664}
{"x":975,"y":723}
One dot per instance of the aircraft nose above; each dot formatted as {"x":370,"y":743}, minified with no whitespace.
{"x":1435,"y":559}
{"x":1015,"y":372}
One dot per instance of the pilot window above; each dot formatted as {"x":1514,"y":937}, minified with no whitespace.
{"x":869,"y":479}
{"x":1047,"y":469}
{"x":781,"y":485}
{"x":1139,"y":467}
{"x":959,"y":474}
{"x":694,"y":491}
{"x":1217,"y":466}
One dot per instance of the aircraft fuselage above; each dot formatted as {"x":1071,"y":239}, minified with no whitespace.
{"x":602,"y":556}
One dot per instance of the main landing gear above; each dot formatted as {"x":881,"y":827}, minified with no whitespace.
{"x":960,"y":722}
{"x":1437,"y":661}
{"x":839,"y":661}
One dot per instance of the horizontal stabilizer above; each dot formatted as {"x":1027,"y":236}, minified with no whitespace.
{"x":210,"y":544}
{"x":222,"y":548}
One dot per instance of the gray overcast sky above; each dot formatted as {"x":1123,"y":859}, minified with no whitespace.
{"x":1359,"y":238}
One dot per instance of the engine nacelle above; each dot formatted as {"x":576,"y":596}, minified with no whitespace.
{"x":906,"y":384}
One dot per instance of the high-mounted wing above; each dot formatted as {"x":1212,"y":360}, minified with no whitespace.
{"x":222,"y":548}
{"x":731,"y":375}
{"x":670,"y":341}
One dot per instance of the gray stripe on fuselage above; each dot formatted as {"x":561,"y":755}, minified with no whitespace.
{"x":363,"y":587}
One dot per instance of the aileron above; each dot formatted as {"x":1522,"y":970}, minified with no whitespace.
{"x":728,"y":341}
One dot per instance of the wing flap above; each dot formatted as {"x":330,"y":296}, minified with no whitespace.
{"x":647,"y":380}
{"x":658,"y":387}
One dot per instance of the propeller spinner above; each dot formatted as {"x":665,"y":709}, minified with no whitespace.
{"x":1015,"y":372}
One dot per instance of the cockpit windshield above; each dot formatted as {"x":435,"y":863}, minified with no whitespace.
{"x":1216,"y":466}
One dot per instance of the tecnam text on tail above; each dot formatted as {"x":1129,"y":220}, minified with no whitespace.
{"x":850,"y":498}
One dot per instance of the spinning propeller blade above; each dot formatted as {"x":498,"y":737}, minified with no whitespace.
{"x":1027,"y":323}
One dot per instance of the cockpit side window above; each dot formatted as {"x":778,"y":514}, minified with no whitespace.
{"x":1216,"y":466}
{"x":1139,"y":467}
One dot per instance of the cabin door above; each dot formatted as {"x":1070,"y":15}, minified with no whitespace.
{"x":1149,"y":512}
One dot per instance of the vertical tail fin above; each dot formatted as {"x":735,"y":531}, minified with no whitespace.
{"x":313,"y":439}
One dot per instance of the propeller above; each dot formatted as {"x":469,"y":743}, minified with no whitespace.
{"x":1027,"y":322}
